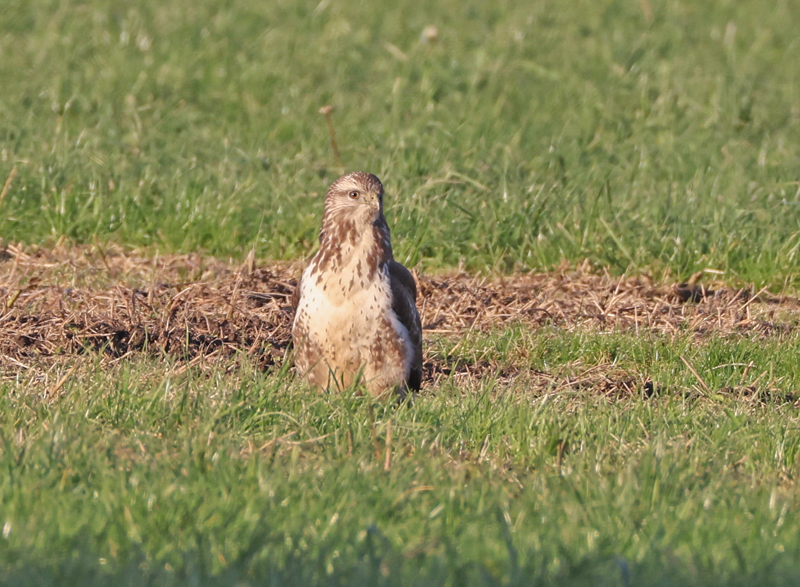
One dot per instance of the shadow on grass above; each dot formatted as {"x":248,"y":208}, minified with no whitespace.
{"x":379,"y":565}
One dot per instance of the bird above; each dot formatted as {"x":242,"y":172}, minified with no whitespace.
{"x":356,"y":319}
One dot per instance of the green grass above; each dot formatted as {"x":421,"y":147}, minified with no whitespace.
{"x":137,"y":475}
{"x":529,"y":133}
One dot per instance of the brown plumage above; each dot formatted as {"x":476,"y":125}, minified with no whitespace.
{"x":355,"y":306}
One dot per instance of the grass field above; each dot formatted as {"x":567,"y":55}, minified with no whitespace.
{"x":528,"y":133}
{"x":600,"y":431}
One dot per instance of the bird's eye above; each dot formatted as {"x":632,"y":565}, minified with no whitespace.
{"x":353,"y":195}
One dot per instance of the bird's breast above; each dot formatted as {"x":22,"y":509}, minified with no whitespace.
{"x":345,"y":312}
{"x":340,"y":309}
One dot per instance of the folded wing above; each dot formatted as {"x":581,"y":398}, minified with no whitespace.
{"x":404,"y":298}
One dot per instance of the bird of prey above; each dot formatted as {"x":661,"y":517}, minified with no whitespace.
{"x":355,"y":306}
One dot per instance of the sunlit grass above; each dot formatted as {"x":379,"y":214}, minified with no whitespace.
{"x":523,"y":135}
{"x":144,"y":475}
{"x":646,"y":136}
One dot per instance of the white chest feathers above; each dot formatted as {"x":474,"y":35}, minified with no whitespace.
{"x":345,"y":327}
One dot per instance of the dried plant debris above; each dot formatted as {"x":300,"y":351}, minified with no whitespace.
{"x":65,"y":301}
{"x":580,"y":298}
{"x":185,"y":306}
{"x":602,"y":379}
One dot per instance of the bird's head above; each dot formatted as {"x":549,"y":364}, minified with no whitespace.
{"x":357,"y":197}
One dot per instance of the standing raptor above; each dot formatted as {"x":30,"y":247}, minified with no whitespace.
{"x":355,"y":306}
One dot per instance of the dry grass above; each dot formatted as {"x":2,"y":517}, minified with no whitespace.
{"x":65,"y":301}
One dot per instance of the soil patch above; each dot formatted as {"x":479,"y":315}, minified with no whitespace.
{"x":65,"y":301}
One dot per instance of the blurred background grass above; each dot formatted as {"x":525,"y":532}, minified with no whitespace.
{"x":644,"y":137}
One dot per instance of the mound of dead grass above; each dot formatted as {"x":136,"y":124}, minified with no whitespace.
{"x":71,"y":300}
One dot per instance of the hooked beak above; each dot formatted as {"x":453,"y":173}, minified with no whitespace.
{"x":373,"y":200}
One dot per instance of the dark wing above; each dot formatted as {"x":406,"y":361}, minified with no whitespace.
{"x":404,"y":297}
